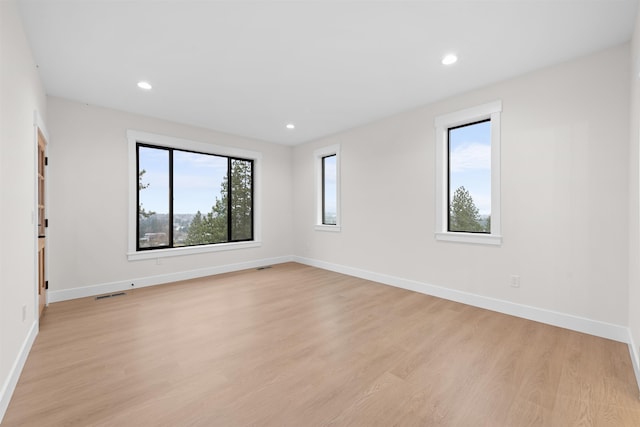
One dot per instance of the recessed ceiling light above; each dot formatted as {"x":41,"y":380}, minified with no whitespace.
{"x":449,"y":59}
{"x":144,"y":85}
{"x":291,"y":126}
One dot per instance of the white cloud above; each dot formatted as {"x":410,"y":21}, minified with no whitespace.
{"x":197,"y":160}
{"x":470,"y":156}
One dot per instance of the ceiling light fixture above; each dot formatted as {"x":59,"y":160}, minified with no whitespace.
{"x":144,"y":85}
{"x":291,"y":126}
{"x":449,"y":59}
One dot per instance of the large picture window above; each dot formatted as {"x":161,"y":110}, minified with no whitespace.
{"x":188,"y":199}
{"x":468,"y":175}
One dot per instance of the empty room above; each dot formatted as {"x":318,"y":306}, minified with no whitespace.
{"x":309,"y":213}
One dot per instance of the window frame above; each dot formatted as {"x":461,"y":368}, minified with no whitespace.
{"x":324,"y":187}
{"x":167,"y":142}
{"x":443,"y":123}
{"x":319,"y":156}
{"x":448,"y":199}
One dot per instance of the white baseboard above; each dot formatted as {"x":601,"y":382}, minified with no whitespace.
{"x":14,"y":374}
{"x":563,"y":320}
{"x":105,"y":288}
{"x":635,"y":358}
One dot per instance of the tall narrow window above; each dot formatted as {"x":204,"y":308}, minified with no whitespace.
{"x":327,"y":162}
{"x":329,"y":190}
{"x":470,"y":178}
{"x":468,"y":175}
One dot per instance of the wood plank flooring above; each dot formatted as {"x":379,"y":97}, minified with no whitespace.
{"x":298,"y":346}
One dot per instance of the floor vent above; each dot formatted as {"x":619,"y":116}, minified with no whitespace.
{"x":263,"y":267}
{"x":111,"y":295}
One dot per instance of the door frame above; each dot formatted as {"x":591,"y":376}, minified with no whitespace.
{"x":39,"y":127}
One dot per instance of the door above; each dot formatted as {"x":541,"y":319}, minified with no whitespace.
{"x":42,"y":223}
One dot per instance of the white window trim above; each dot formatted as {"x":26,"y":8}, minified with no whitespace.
{"x":318,"y":155}
{"x":443,"y":123}
{"x":184,"y":144}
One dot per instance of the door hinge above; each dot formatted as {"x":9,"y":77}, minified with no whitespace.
{"x":46,"y":284}
{"x":46,"y":161}
{"x":46,"y":223}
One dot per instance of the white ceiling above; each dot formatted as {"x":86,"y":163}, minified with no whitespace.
{"x":250,"y":67}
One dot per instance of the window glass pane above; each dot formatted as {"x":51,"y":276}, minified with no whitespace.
{"x":153,"y":197}
{"x":241,"y":200}
{"x":470,"y":178}
{"x":329,"y":190}
{"x":199,"y":199}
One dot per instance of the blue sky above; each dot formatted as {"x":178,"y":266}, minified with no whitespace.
{"x":197,"y":180}
{"x":470,"y":163}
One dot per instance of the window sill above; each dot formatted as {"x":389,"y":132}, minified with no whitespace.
{"x":164,"y":253}
{"x":479,"y":239}
{"x":323,"y":227}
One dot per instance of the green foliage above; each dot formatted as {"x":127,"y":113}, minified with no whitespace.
{"x":206,"y":229}
{"x":241,"y":200}
{"x":212,"y":227}
{"x":463,"y":214}
{"x":142,"y":213}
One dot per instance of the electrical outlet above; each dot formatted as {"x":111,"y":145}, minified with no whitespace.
{"x":24,"y":313}
{"x":515,"y":281}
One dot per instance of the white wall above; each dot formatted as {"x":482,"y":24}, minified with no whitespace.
{"x":634,"y":199}
{"x":89,"y":198}
{"x":21,"y":94}
{"x":565,"y":133}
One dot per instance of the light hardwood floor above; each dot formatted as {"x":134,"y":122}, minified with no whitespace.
{"x":298,"y":346}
